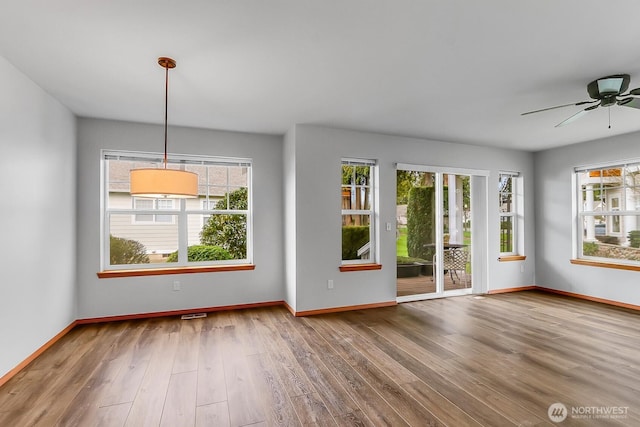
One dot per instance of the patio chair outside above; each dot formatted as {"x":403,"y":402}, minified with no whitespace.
{"x":454,"y":260}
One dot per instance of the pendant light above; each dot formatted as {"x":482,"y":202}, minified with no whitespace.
{"x":163,"y":182}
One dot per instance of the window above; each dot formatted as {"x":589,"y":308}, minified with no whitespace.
{"x":510,"y":208}
{"x":358,"y":214}
{"x":608,"y":212}
{"x":208,"y":205}
{"x":214,"y":228}
{"x":142,"y":204}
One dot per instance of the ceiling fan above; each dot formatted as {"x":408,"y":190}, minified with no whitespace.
{"x":605,"y":92}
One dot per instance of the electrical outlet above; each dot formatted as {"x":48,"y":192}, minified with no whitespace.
{"x":330,"y":284}
{"x":176,"y":285}
{"x":521,"y":268}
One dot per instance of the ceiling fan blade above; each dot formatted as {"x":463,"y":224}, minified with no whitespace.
{"x":560,"y":106}
{"x":577,"y":115}
{"x":635,"y":91}
{"x":630,"y":102}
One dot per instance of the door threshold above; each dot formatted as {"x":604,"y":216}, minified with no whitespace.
{"x":422,"y":297}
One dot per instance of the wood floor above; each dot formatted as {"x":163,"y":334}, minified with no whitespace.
{"x":497,"y":360}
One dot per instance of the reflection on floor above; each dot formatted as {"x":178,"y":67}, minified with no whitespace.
{"x":425,"y":285}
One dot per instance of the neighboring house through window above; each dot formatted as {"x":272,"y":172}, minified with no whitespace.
{"x":608,"y":212}
{"x":358,"y":211}
{"x":144,"y":204}
{"x":214,"y":228}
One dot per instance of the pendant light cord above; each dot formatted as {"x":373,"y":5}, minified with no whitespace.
{"x":166,"y":109}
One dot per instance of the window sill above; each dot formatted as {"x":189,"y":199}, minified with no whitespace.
{"x":605,"y":264}
{"x":360,"y":267}
{"x":507,"y":258}
{"x":108,"y":274}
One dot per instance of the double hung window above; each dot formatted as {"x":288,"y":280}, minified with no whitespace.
{"x":214,"y":228}
{"x":358,"y":211}
{"x":508,"y":213}
{"x":608,"y":212}
{"x":510,"y":205}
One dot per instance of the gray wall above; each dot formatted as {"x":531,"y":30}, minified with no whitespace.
{"x":317,"y":240}
{"x":111,"y":297}
{"x":290,"y":220}
{"x":554,"y":220}
{"x":37,"y":217}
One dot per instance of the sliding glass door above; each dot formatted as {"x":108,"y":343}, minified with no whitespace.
{"x":434,"y":243}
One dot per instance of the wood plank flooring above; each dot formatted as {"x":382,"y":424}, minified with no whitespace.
{"x":495,"y":360}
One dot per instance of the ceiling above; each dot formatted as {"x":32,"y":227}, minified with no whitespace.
{"x":451,"y":70}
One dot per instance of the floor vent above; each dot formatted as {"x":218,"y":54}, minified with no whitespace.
{"x":193,"y":316}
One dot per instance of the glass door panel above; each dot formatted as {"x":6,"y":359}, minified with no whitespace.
{"x":433,"y":234}
{"x":415,"y":232}
{"x":456,"y":234}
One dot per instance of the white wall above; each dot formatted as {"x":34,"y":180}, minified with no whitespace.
{"x":111,"y":297}
{"x":553,"y":171}
{"x":290,"y":249}
{"x":37,"y":217}
{"x":318,"y":152}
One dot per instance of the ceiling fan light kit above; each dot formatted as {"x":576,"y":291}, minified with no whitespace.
{"x":163,"y":182}
{"x":605,"y":92}
{"x":608,"y":86}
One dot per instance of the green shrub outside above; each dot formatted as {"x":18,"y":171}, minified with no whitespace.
{"x":589,"y":248}
{"x":353,"y":238}
{"x":421,"y":222}
{"x":126,"y":251}
{"x":202,"y":253}
{"x":634,"y":238}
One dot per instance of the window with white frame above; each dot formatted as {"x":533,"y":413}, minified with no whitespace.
{"x":146,"y":204}
{"x":608,"y":212}
{"x":358,"y":211}
{"x":509,"y":196}
{"x":208,"y":205}
{"x":214,"y":228}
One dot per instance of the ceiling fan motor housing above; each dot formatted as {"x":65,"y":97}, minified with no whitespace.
{"x":607,"y":88}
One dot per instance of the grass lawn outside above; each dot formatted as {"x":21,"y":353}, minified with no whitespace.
{"x":401,"y":241}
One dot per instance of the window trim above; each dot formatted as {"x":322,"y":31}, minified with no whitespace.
{"x":352,"y":265}
{"x":180,"y":212}
{"x":137,"y":272}
{"x":580,"y":213}
{"x":516,"y":214}
{"x":345,"y":268}
{"x":614,"y":265}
